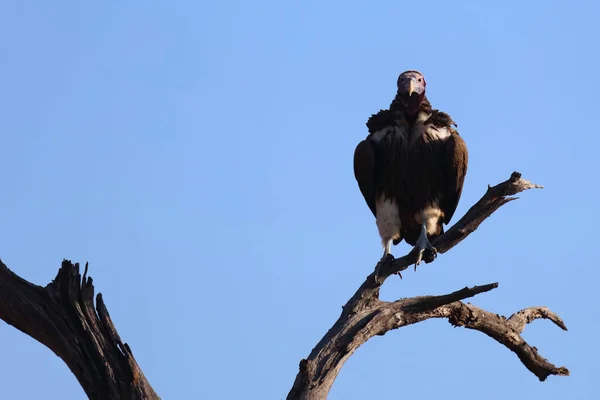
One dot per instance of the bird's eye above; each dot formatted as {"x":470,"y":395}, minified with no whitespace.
{"x":419,"y":79}
{"x":401,"y":79}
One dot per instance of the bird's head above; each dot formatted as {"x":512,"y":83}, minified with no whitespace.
{"x":411,"y":92}
{"x":411,"y":83}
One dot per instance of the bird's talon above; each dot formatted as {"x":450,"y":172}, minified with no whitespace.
{"x":387,"y":258}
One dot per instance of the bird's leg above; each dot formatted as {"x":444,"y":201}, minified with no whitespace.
{"x":387,"y":257}
{"x":387,"y":251}
{"x":423,"y":243}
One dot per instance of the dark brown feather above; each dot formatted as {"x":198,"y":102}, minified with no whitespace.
{"x":440,"y":119}
{"x":416,"y":174}
{"x":456,"y":162}
{"x":365,"y":171}
{"x":383,"y":119}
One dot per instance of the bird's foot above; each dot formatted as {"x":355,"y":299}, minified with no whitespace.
{"x":422,"y":245}
{"x":387,"y":258}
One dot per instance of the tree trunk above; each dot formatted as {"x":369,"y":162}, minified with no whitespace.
{"x":62,"y":317}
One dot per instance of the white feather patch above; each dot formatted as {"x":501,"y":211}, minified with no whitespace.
{"x":430,"y":215}
{"x":388,"y":220}
{"x":420,"y":130}
{"x":422,"y":117}
{"x":437,"y":133}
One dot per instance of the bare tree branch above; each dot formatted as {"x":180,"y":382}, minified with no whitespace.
{"x":520,"y":319}
{"x":493,"y":199}
{"x":504,"y":332}
{"x":61,"y":316}
{"x":365,"y":316}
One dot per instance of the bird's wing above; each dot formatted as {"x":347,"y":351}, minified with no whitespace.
{"x":455,"y":166}
{"x":365,"y":164}
{"x":367,"y":161}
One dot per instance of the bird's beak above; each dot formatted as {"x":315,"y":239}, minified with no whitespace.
{"x":411,"y":87}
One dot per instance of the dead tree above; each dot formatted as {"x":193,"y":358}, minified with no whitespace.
{"x":365,"y":316}
{"x":62,"y":317}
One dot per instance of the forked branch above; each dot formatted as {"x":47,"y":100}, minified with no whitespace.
{"x":365,"y":316}
{"x":62,"y":317}
{"x":505,"y":332}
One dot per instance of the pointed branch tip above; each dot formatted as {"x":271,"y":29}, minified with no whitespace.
{"x":520,"y":319}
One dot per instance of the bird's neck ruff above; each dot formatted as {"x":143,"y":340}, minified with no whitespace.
{"x":411,"y":106}
{"x":396,"y":114}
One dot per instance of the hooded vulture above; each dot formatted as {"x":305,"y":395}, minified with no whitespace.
{"x":411,"y":168}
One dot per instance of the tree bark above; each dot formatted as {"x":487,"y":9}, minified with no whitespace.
{"x":62,"y":317}
{"x":365,"y":316}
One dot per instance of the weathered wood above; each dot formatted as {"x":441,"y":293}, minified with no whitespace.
{"x":365,"y":316}
{"x":62,"y":317}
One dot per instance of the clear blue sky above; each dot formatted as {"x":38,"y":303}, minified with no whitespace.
{"x":199,"y":155}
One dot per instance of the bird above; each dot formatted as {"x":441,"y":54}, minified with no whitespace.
{"x":411,"y":169}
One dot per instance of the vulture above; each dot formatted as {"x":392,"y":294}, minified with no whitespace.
{"x":411,"y":168}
